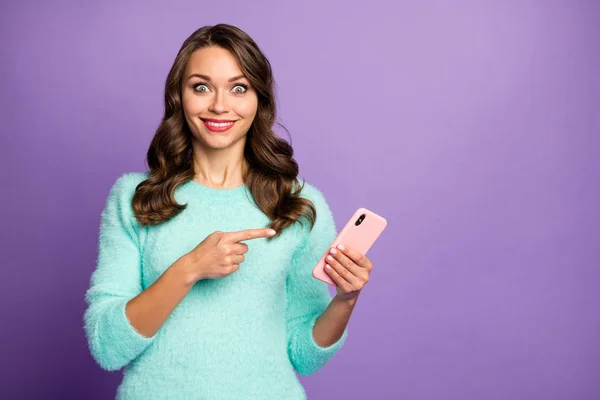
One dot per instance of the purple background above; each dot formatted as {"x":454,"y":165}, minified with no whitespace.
{"x":473,"y":128}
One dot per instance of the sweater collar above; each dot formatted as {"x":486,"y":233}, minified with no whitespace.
{"x":207,"y":193}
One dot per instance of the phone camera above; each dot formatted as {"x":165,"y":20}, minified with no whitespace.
{"x":360,"y":220}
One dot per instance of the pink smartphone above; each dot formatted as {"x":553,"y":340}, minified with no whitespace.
{"x":360,"y":232}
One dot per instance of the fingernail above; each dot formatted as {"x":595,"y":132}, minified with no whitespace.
{"x":329,"y":258}
{"x":271,"y":232}
{"x":333,"y":251}
{"x":341,"y":247}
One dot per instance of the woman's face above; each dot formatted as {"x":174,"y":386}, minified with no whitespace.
{"x":218,"y":102}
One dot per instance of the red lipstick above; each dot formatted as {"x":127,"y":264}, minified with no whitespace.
{"x":218,"y":125}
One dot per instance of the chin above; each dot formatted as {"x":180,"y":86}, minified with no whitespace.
{"x":218,"y":143}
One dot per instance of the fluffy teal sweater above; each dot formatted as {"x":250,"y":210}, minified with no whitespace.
{"x":238,"y":337}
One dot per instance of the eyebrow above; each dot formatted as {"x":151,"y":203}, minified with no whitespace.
{"x":206,"y":77}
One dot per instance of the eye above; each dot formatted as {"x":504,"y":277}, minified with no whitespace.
{"x":240,"y":86}
{"x":201,"y":85}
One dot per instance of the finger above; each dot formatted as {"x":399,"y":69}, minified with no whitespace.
{"x":342,"y":271}
{"x":239,"y":248}
{"x":346,"y":261}
{"x":338,"y":279}
{"x":236,"y":259}
{"x":249,"y":234}
{"x":359,"y":259}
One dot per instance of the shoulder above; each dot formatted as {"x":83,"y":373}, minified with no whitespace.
{"x":124,"y":186}
{"x":118,"y":214}
{"x":128,"y":181}
{"x":324,"y":217}
{"x":122,"y":191}
{"x":313,"y":193}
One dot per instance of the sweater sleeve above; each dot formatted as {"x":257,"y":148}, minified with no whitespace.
{"x":308,"y":297}
{"x":112,"y":340}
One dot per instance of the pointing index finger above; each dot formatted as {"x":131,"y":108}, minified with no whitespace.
{"x":249,"y":234}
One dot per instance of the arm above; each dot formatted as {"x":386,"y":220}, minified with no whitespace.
{"x":121,"y":319}
{"x":308,"y":299}
{"x":149,"y":310}
{"x":330,"y":326}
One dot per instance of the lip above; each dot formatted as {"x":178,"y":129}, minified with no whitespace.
{"x":217,"y":120}
{"x":217,"y":128}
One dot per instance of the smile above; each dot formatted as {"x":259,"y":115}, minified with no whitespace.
{"x":215,"y":126}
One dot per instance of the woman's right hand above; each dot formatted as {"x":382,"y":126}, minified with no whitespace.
{"x":221,"y":253}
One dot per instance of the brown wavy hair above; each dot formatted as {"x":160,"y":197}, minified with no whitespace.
{"x":272,"y":173}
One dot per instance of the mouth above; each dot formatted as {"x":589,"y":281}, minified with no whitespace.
{"x":217,"y":125}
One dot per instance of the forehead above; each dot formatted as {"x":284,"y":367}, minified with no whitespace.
{"x":216,"y":62}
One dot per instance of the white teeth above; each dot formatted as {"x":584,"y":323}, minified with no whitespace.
{"x":219,"y":125}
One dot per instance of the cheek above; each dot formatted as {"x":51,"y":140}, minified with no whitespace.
{"x":246,"y":109}
{"x":187,"y":105}
{"x":193,"y":104}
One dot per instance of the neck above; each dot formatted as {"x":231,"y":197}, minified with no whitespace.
{"x":220,"y":168}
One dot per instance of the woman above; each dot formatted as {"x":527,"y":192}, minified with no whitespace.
{"x":203,"y":286}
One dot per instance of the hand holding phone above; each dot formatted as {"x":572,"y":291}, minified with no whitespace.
{"x":360,"y":232}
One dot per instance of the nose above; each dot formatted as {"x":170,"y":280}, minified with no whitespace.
{"x":218,"y":104}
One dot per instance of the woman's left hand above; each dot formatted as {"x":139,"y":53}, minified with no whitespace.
{"x":350,"y":270}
